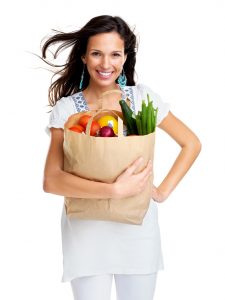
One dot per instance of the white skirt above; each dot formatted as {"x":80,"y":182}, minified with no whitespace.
{"x":100,"y":247}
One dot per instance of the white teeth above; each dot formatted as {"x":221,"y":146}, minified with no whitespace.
{"x":105,"y":74}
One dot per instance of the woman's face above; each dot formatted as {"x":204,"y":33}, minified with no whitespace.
{"x":104,"y":58}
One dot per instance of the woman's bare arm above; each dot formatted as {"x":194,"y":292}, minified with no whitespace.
{"x":190,"y":148}
{"x":57,"y":181}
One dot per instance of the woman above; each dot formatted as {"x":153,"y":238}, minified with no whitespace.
{"x":102,"y":58}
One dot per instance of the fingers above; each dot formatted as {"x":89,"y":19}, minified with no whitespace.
{"x":142,"y":176}
{"x":147,"y":170}
{"x":133,"y":167}
{"x":147,"y":173}
{"x":137,"y":163}
{"x":135,"y":182}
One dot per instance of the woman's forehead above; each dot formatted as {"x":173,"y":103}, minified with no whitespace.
{"x":107,"y":40}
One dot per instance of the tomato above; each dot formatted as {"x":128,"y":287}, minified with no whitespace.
{"x":95,"y":127}
{"x":77,"y":128}
{"x":109,"y":121}
{"x":84,"y":120}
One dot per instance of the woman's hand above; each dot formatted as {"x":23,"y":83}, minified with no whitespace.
{"x":158,"y":195}
{"x":128,"y":183}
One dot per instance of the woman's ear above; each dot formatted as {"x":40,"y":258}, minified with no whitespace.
{"x":83,"y":59}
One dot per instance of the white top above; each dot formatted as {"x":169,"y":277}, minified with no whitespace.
{"x":93,"y":247}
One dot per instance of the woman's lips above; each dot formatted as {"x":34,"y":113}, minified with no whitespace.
{"x":104,"y":75}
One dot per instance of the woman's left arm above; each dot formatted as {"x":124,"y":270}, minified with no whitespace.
{"x":190,"y":148}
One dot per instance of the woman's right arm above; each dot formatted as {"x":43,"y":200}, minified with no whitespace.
{"x":59,"y":182}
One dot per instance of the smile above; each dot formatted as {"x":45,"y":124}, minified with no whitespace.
{"x":104,"y":74}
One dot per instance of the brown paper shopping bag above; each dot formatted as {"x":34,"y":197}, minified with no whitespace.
{"x":104,"y":159}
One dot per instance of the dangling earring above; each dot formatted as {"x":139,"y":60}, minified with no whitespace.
{"x":82,"y":78}
{"x":122,"y":79}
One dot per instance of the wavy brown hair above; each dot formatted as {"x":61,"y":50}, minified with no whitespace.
{"x":69,"y":74}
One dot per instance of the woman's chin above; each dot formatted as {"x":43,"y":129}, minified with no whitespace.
{"x":105,"y":83}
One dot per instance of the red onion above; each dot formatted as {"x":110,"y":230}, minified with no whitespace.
{"x":106,"y":131}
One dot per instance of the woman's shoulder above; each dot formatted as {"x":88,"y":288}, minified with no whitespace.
{"x":141,"y":88}
{"x":63,"y":102}
{"x":60,"y":112}
{"x":64,"y":106}
{"x":142,"y":91}
{"x":139,"y":92}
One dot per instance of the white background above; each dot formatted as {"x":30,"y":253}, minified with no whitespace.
{"x":181,"y":57}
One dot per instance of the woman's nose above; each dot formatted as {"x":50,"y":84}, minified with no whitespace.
{"x":105,"y":63}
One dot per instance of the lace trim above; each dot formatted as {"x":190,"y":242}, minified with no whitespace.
{"x":79,"y":102}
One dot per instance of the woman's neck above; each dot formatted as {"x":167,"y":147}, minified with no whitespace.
{"x":93,"y":93}
{"x":95,"y":98}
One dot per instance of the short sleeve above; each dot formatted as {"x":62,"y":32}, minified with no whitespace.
{"x":163,"y":107}
{"x":60,"y":113}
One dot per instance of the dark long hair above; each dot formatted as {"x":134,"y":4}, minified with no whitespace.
{"x":70,"y":73}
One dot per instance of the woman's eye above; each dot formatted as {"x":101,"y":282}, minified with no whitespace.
{"x":95,"y":53}
{"x":116,"y":54}
{"x":99,"y":54}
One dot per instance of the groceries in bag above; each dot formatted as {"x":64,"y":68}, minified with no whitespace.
{"x":104,"y":159}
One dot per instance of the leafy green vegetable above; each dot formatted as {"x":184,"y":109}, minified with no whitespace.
{"x":145,"y":120}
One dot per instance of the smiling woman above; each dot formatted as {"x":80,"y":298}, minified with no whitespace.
{"x":102,"y":58}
